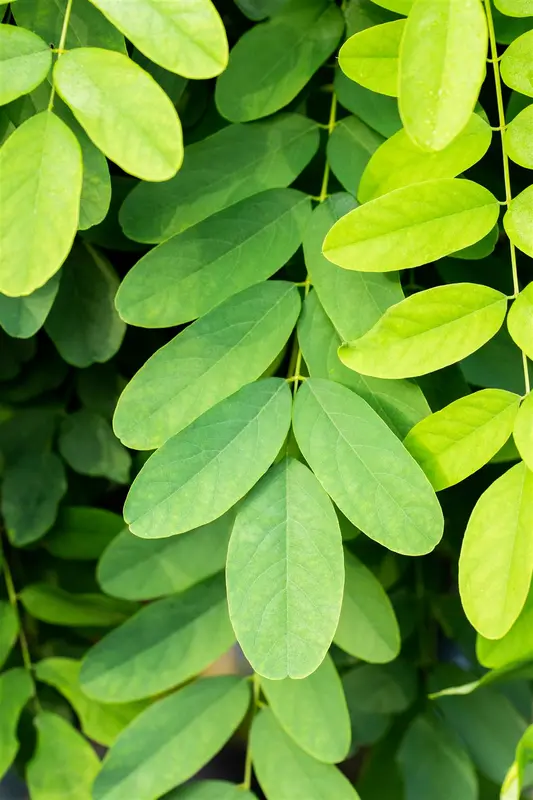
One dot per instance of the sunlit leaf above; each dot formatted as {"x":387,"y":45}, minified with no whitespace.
{"x":371,"y":57}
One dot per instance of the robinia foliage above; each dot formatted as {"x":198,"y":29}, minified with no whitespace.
{"x":266,"y":289}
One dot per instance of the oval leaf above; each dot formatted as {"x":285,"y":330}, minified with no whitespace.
{"x":520,"y":320}
{"x":371,"y":57}
{"x":25,"y":61}
{"x":523,"y":431}
{"x":516,"y":62}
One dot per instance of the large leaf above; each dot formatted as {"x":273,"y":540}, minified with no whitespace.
{"x":285,"y":772}
{"x":367,"y":628}
{"x":271,"y":63}
{"x":518,"y":220}
{"x":16,"y":688}
{"x":515,"y":64}
{"x":313,"y":712}
{"x":349,"y":149}
{"x":89,"y":446}
{"x":41,"y":170}
{"x":497,"y":554}
{"x":400,"y":162}
{"x":197,"y":269}
{"x":9,"y":629}
{"x":412,"y":226}
{"x":185,"y":38}
{"x":82,"y":533}
{"x":285,"y":573}
{"x":365,"y":469}
{"x":23,"y":316}
{"x":87,"y":27}
{"x":428,"y":331}
{"x":58,"y":607}
{"x":371,"y":57}
{"x":170,"y":741}
{"x":166,"y":643}
{"x":229,"y":347}
{"x":140,"y":569}
{"x":454,"y":443}
{"x":518,"y":138}
{"x":25,"y":61}
{"x":442,"y":67}
{"x":232,"y":164}
{"x":523,"y":431}
{"x":142,"y":138}
{"x":514,"y":647}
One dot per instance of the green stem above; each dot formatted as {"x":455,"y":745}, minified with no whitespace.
{"x":506,"y":172}
{"x":61,"y":47}
{"x":247,"y":781}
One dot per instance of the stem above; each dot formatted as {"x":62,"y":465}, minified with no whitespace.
{"x":506,"y":172}
{"x":247,"y":781}
{"x":61,"y":47}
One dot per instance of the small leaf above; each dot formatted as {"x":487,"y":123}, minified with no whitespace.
{"x":170,"y":741}
{"x":25,"y":61}
{"x":518,"y":136}
{"x":442,"y":68}
{"x":285,"y":573}
{"x":520,"y":320}
{"x":514,"y":647}
{"x":22,"y":317}
{"x":349,"y":149}
{"x":365,"y":469}
{"x":497,"y":554}
{"x":89,"y":446}
{"x":408,"y":339}
{"x":59,"y":607}
{"x":367,"y":627}
{"x":454,"y":443}
{"x":515,"y":64}
{"x":523,"y":431}
{"x":412,"y":226}
{"x":87,"y":26}
{"x":145,"y":138}
{"x":9,"y":629}
{"x":82,"y":533}
{"x":166,"y":643}
{"x":371,"y":57}
{"x":518,"y":221}
{"x":16,"y":688}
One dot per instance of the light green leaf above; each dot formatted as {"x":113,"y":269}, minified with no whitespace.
{"x":412,"y":226}
{"x":16,"y":688}
{"x":272,"y":62}
{"x":87,"y":27}
{"x":9,"y":628}
{"x":389,"y":689}
{"x":285,"y":573}
{"x":89,"y":446}
{"x":434,"y":763}
{"x":166,"y":643}
{"x":40,"y":192}
{"x":232,"y":164}
{"x":365,"y":469}
{"x":497,"y":554}
{"x":145,"y":138}
{"x":400,"y":162}
{"x":186,"y":276}
{"x":82,"y":533}
{"x":518,"y":136}
{"x":520,"y":320}
{"x":25,"y":61}
{"x":170,"y":741}
{"x":523,"y":431}
{"x":32,"y":488}
{"x":408,"y":339}
{"x":189,"y":39}
{"x":230,"y":346}
{"x":64,"y":763}
{"x":59,"y":607}
{"x":99,"y":722}
{"x":211,"y":790}
{"x":454,"y":443}
{"x":140,"y":569}
{"x":518,"y":221}
{"x":371,"y":57}
{"x":515,"y":8}
{"x":515,"y":646}
{"x":285,"y":772}
{"x":349,"y":149}
{"x":22,"y":317}
{"x":313,"y":712}
{"x":442,"y":68}
{"x":368,"y":628}
{"x":377,"y":110}
{"x":516,"y":62}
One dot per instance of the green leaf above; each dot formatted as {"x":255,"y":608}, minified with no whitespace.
{"x":349,"y":150}
{"x":408,"y":339}
{"x":31,"y":491}
{"x":82,"y":533}
{"x":166,"y":643}
{"x":272,"y":62}
{"x":170,"y":741}
{"x":285,"y":771}
{"x":497,"y":554}
{"x":367,"y":628}
{"x":16,"y":688}
{"x":230,"y":346}
{"x":25,"y":61}
{"x":523,"y":431}
{"x":515,"y":646}
{"x":197,"y":269}
{"x":9,"y":629}
{"x":22,"y":317}
{"x":518,"y":138}
{"x":87,"y":27}
{"x":64,"y":763}
{"x":144,"y":139}
{"x":59,"y":607}
{"x":412,"y":226}
{"x":377,"y":110}
{"x":313,"y":712}
{"x":389,"y":689}
{"x":454,"y":443}
{"x":516,"y":62}
{"x":371,"y":57}
{"x":442,"y":68}
{"x":520,"y":320}
{"x":41,"y":172}
{"x":518,"y":221}
{"x":232,"y":164}
{"x":434,"y":763}
{"x":140,"y":569}
{"x":188,"y":39}
{"x":515,"y":8}
{"x":83,"y":322}
{"x":399,"y":162}
{"x":89,"y":446}
{"x":99,"y":722}
{"x":211,"y":790}
{"x":365,"y":469}
{"x":285,"y":573}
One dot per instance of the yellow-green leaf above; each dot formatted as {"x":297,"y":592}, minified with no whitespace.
{"x":371,"y":57}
